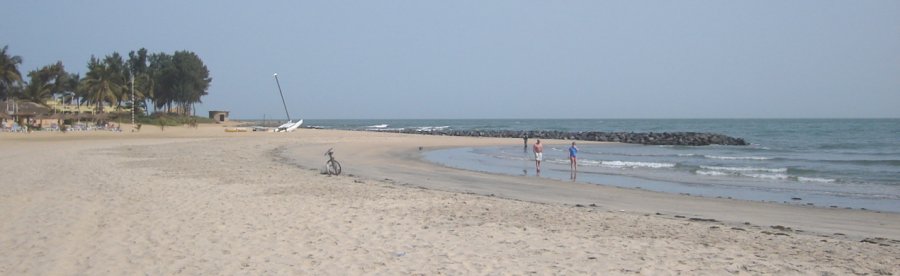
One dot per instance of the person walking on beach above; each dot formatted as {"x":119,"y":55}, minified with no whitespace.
{"x":538,"y":155}
{"x":573,"y":160}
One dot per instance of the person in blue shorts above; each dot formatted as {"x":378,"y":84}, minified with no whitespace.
{"x":573,"y":160}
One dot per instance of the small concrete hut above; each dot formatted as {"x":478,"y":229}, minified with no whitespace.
{"x":219,"y":116}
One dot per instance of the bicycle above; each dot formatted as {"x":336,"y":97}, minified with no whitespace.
{"x":332,"y":166}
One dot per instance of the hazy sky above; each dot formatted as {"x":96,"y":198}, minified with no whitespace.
{"x":497,"y":59}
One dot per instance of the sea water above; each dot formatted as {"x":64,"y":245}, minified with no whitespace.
{"x":839,"y":163}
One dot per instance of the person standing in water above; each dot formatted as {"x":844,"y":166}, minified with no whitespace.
{"x":526,"y":142}
{"x":538,"y":155}
{"x":573,"y":160}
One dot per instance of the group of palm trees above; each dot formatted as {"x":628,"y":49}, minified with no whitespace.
{"x":159,"y":81}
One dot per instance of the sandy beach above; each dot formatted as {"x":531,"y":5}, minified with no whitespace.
{"x":206,"y":201}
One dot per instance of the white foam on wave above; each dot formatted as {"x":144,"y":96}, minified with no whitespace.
{"x":745,"y":169}
{"x":712,"y":173}
{"x":777,"y":176}
{"x":736,"y":157}
{"x":816,"y":179}
{"x":378,"y":126}
{"x":768,"y":174}
{"x":585,"y":162}
{"x":387,"y":129}
{"x":633,"y":164}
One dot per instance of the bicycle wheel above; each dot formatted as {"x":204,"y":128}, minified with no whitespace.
{"x":336,"y":166}
{"x":329,"y":169}
{"x":332,"y":167}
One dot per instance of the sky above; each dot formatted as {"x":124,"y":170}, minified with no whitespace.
{"x":497,"y":59}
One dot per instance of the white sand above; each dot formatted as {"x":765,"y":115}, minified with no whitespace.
{"x":203,"y":201}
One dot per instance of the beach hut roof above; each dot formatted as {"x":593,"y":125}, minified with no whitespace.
{"x":59,"y":116}
{"x":100,"y":115}
{"x":25,"y":108}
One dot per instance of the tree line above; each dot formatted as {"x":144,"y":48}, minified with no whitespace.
{"x":162,"y":82}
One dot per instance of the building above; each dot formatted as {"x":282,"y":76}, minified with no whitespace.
{"x":219,"y":116}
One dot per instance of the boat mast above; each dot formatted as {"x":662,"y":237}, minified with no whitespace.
{"x":282,"y":98}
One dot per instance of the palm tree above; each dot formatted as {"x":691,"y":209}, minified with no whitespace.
{"x":101,"y":83}
{"x":141,"y":76}
{"x":143,"y":89}
{"x":70,"y":87}
{"x":117,"y":72}
{"x":45,"y":83}
{"x":37,"y":91}
{"x":10,"y":78}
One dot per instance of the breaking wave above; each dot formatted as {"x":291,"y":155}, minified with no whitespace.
{"x":627,"y":164}
{"x":737,"y":157}
{"x":745,"y":169}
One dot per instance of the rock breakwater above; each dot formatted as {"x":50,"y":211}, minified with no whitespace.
{"x":644,"y":138}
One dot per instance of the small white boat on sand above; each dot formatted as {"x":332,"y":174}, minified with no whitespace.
{"x":289,"y":126}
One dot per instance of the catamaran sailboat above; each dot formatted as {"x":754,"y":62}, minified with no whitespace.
{"x":290,"y":125}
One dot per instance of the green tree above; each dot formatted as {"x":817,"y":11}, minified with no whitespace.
{"x":70,"y":88}
{"x":45,"y":83}
{"x":180,"y":79}
{"x":140,"y":73}
{"x":101,"y":83}
{"x":118,"y":73}
{"x":193,"y":80}
{"x":161,"y":74}
{"x":37,"y":90}
{"x":10,"y":77}
{"x":137,"y":62}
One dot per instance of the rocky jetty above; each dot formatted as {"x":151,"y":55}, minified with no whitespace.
{"x":644,"y":138}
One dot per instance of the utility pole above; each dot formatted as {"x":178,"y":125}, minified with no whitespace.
{"x":133,"y":106}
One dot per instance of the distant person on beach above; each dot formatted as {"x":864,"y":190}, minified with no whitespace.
{"x":526,"y":142}
{"x":538,"y":155}
{"x":573,"y":160}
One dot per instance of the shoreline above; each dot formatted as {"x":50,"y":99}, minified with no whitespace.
{"x":818,"y":219}
{"x":205,"y":201}
{"x":503,"y":160}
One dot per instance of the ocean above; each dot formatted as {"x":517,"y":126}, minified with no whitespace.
{"x":832,"y":163}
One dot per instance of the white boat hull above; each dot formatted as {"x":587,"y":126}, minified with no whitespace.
{"x":289,"y":126}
